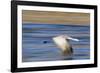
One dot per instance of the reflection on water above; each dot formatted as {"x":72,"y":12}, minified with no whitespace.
{"x":37,"y":43}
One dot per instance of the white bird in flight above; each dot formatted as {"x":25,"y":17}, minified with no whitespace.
{"x":62,"y":42}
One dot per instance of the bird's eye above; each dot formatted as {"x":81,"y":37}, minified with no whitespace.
{"x":44,"y":41}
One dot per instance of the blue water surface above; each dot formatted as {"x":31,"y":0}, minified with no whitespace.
{"x":37,"y":43}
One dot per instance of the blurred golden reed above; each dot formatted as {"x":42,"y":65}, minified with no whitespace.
{"x":51,"y":17}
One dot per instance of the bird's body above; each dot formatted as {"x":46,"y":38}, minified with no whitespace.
{"x":62,"y":42}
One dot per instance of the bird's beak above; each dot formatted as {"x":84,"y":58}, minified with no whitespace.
{"x":73,"y":39}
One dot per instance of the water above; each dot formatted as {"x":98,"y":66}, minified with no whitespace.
{"x":37,"y":43}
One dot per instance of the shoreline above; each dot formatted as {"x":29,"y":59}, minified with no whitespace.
{"x":31,"y":23}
